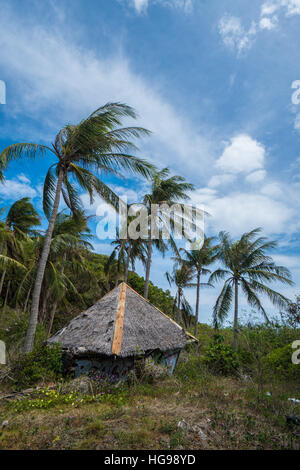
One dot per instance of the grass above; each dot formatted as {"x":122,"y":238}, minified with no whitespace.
{"x":219,"y":412}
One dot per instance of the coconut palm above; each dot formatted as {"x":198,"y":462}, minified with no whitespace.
{"x":198,"y":260}
{"x":135,"y":251}
{"x":247,"y":265}
{"x":126,"y":251}
{"x":182,"y":278}
{"x":71,"y":236}
{"x":14,"y":230}
{"x":96,"y":144}
{"x":117,"y":259}
{"x":22,"y":217}
{"x":70,"y":240}
{"x":165,"y":190}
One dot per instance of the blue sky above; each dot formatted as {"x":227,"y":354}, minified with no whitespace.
{"x":212,"y":80}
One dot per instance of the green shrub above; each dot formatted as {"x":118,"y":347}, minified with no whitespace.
{"x":43,"y":363}
{"x":189,"y":367}
{"x":220,"y":358}
{"x":13,"y":328}
{"x":279,"y":363}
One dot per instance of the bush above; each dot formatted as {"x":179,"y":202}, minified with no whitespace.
{"x":190,"y":367}
{"x":148,"y":371}
{"x":220,"y":358}
{"x":13,"y":327}
{"x":279,"y":363}
{"x":43,"y":363}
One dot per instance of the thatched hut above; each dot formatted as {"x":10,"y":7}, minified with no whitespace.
{"x":119,"y":329}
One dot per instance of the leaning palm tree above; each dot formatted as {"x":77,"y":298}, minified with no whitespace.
{"x":96,"y":144}
{"x":165,"y":190}
{"x":247,"y":265}
{"x":198,"y":260}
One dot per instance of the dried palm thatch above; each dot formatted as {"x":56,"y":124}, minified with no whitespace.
{"x":121,"y":324}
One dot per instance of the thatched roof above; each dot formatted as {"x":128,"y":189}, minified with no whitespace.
{"x":122,"y":323}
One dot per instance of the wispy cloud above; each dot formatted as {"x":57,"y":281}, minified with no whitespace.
{"x":234,"y":35}
{"x":16,"y":188}
{"x":59,"y":82}
{"x":239,"y":38}
{"x":141,"y":6}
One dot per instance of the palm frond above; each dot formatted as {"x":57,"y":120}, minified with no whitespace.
{"x":252,"y":298}
{"x":49,"y":191}
{"x":222,"y":305}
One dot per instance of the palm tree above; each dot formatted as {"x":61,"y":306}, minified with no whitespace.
{"x":22,"y":217}
{"x":168,"y":190}
{"x":117,"y":259}
{"x":135,"y":251}
{"x":14,"y":230}
{"x":96,"y":144}
{"x":69,"y":240}
{"x":182,"y":278}
{"x":197,"y":260}
{"x":126,"y":251}
{"x":71,"y":237}
{"x":247,"y":265}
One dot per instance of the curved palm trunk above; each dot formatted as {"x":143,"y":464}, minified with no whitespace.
{"x":52,"y":315}
{"x":2,"y":280}
{"x":6,"y":295}
{"x":127,"y":261}
{"x":28,"y":345}
{"x":178,"y":316}
{"x":148,"y":266}
{"x":197,"y":305}
{"x":236,"y":312}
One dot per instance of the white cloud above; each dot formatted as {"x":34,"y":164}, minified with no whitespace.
{"x":288,"y":7}
{"x":23,"y":178}
{"x":269,"y":8}
{"x":141,"y":6}
{"x":270,"y":204}
{"x":256,"y":176}
{"x":220,"y":180}
{"x":234,"y":35}
{"x":63,"y":82}
{"x":291,"y":262}
{"x":237,"y":37}
{"x":239,"y":212}
{"x":17,"y":188}
{"x":292,"y":6}
{"x":243,"y":154}
{"x":268,"y":23}
{"x":272,"y":189}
